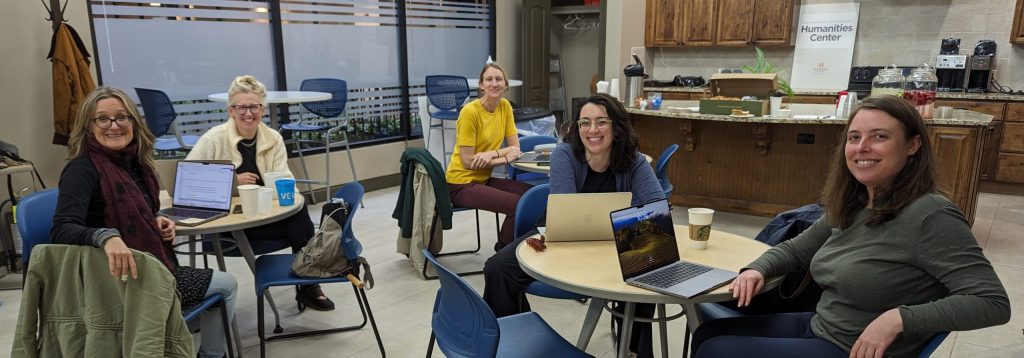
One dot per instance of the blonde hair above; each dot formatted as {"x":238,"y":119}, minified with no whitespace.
{"x":247,"y":84}
{"x":81,"y":129}
{"x":494,"y":65}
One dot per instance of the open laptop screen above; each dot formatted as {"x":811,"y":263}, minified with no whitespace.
{"x":644,"y":238}
{"x":203,"y":185}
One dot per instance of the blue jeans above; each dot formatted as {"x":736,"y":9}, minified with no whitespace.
{"x":783,"y":335}
{"x":214,"y":343}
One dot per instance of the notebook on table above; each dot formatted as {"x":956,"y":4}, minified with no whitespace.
{"x":648,"y":254}
{"x":582,"y":217}
{"x":201,"y":192}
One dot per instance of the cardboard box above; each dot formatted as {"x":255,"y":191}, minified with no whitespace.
{"x":737,"y":85}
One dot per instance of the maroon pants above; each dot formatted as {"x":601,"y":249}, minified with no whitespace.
{"x":496,"y":195}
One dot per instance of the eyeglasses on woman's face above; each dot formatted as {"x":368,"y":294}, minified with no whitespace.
{"x":602,"y":124}
{"x":252,"y":108}
{"x":121,"y":120}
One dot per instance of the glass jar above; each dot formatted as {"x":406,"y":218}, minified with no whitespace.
{"x":920,"y":90}
{"x":888,"y":81}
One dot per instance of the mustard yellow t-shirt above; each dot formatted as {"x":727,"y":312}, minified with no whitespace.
{"x":482,"y":130}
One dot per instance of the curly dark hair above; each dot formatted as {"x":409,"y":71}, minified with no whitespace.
{"x":843,"y":196}
{"x":625,"y":143}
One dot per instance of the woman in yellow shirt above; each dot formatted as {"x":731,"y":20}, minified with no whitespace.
{"x":483,"y":125}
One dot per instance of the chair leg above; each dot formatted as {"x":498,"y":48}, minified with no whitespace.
{"x":444,"y":148}
{"x":663,"y":327}
{"x":361,"y":295}
{"x":686,"y":341}
{"x":227,"y":328}
{"x":327,"y":165}
{"x":430,"y":346}
{"x":430,"y":243}
{"x":351,"y":163}
{"x":259,"y":326}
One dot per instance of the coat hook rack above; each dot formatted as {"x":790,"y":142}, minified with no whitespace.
{"x":56,"y":11}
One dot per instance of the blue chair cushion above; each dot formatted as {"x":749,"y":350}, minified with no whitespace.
{"x":538,"y":288}
{"x":445,"y":114}
{"x":299,"y":127}
{"x":527,"y":335}
{"x":276,"y":270}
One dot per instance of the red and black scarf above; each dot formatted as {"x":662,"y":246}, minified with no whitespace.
{"x":127,"y":208}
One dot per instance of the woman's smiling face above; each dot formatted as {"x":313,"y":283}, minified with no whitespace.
{"x":493,"y":83}
{"x":118,"y":135}
{"x":877,"y":148}
{"x":596,"y":129}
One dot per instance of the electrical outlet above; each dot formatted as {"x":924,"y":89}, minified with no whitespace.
{"x":805,"y":138}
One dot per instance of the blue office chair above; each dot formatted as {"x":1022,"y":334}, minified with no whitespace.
{"x":464,"y":326}
{"x":334,"y":107}
{"x":35,"y":219}
{"x":276,"y":270}
{"x":531,"y":206}
{"x":446,"y":94}
{"x":160,"y":116}
{"x":661,"y":170}
{"x":527,"y":144}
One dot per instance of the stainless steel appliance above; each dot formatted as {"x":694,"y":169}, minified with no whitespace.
{"x":951,"y":71}
{"x":861,"y":76}
{"x":634,"y":81}
{"x":981,"y":66}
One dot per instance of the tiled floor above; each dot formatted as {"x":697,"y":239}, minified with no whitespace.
{"x":402,"y":302}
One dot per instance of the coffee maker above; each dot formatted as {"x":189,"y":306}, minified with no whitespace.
{"x":950,"y":66}
{"x":981,"y":66}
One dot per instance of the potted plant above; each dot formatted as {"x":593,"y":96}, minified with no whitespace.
{"x":762,"y":66}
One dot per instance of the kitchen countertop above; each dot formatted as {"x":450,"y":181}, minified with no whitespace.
{"x":823,"y":115}
{"x":942,"y":95}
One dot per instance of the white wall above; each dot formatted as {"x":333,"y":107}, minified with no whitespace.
{"x":508,"y":37}
{"x":624,"y":30}
{"x":26,"y":90}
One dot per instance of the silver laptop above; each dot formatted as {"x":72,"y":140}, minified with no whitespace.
{"x":201,"y":192}
{"x":649,"y":255}
{"x":582,"y":217}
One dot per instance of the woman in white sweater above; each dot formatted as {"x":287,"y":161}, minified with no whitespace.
{"x":255,"y":150}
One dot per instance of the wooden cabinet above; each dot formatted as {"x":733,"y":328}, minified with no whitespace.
{"x":664,"y":23}
{"x":958,"y":154}
{"x":1017,"y":31}
{"x":729,"y":23}
{"x":773,"y":22}
{"x":735,"y":23}
{"x":698,"y":23}
{"x":989,"y":138}
{"x":1011,"y":168}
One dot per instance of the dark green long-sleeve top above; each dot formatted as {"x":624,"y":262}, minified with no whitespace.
{"x":924,"y":261}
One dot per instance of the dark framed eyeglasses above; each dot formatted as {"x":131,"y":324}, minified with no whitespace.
{"x":252,"y":108}
{"x":122,"y":121}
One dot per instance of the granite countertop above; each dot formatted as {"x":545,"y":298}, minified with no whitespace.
{"x":802,"y":114}
{"x":942,"y":95}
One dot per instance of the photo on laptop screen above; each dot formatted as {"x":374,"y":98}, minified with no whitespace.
{"x":644,"y":238}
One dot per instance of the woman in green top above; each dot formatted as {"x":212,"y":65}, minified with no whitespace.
{"x":896,"y":260}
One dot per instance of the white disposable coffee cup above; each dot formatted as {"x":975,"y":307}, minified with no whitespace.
{"x":602,"y":86}
{"x":776,"y":105}
{"x":700,"y":227}
{"x":269,"y":178}
{"x":266,"y":198}
{"x":250,"y":198}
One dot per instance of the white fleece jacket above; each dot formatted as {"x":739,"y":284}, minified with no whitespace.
{"x":221,"y":143}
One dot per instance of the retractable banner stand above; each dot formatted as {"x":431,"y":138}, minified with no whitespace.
{"x":825,"y":38}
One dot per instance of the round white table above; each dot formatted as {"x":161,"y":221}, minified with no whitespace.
{"x":591,"y":268}
{"x":474,"y":83}
{"x":236,"y":224}
{"x":279,"y":97}
{"x":546,"y":167}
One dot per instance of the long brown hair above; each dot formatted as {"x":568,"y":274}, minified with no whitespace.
{"x":625,"y":142}
{"x":843,"y":196}
{"x":82,"y":128}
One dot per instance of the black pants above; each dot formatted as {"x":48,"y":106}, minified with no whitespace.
{"x":780,"y":335}
{"x":505,"y":285}
{"x":293,"y":231}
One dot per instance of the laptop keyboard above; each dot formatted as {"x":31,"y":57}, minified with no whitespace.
{"x":191,"y":213}
{"x":672,"y":275}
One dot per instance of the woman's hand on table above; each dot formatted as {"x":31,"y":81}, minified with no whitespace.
{"x":878,"y":335}
{"x":119,"y":258}
{"x":247,"y":178}
{"x":166,"y":228}
{"x":746,"y":286}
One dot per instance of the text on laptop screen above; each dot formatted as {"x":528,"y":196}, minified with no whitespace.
{"x":203,"y":185}
{"x":644,"y":238}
